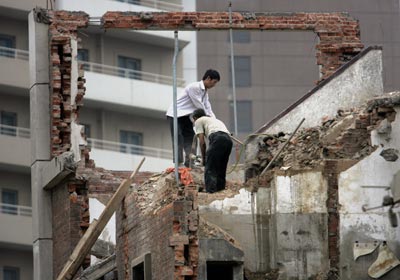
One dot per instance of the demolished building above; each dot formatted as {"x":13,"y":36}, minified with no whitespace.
{"x":300,"y":220}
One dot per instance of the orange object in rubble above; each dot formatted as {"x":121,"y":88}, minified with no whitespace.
{"x":184,"y":174}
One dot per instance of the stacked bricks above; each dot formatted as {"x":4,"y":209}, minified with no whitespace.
{"x":70,"y":211}
{"x":70,"y":199}
{"x":184,"y":239}
{"x":169,"y":233}
{"x":356,"y":139}
{"x":63,"y":27}
{"x":339,"y":34}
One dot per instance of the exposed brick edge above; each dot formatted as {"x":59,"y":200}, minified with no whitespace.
{"x":185,"y":233}
{"x":63,"y":27}
{"x":339,"y":33}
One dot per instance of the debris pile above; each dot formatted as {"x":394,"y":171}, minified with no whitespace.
{"x":345,"y":136}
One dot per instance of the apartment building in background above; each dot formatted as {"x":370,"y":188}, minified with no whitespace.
{"x":128,"y":90}
{"x":273,"y":69}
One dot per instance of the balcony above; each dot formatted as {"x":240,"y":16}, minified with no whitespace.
{"x":15,"y":70}
{"x":124,"y":87}
{"x":107,"y":154}
{"x":16,"y":146}
{"x":16,"y":224}
{"x":121,"y":157}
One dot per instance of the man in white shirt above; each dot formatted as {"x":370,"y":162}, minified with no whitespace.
{"x":194,"y":96}
{"x":220,"y":144}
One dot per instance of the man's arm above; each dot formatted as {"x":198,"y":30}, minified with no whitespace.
{"x":202,"y":147}
{"x":208,"y":109}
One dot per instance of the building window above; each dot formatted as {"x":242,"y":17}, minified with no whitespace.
{"x":219,"y":271}
{"x":133,"y":66}
{"x":244,"y":116}
{"x":242,"y":71}
{"x":10,"y":273}
{"x":131,"y":142}
{"x":86,"y":130}
{"x":141,"y":267}
{"x":9,"y":200}
{"x":7,"y":45}
{"x":138,"y":272}
{"x":8,"y":121}
{"x":240,"y":36}
{"x":83,"y":56}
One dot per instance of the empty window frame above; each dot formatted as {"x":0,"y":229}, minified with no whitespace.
{"x":141,"y":268}
{"x":9,"y":201}
{"x":8,"y":121}
{"x":242,"y":71}
{"x":11,"y":273}
{"x":131,"y":142}
{"x":244,"y":116}
{"x":7,"y":45}
{"x":138,"y":272}
{"x":132,"y":65}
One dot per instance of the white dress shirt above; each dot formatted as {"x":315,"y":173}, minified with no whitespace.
{"x":193,"y":97}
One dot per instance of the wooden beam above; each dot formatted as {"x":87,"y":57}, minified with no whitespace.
{"x":96,"y":227}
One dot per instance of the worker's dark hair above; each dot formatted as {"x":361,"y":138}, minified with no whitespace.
{"x":198,"y":113}
{"x":213,"y":74}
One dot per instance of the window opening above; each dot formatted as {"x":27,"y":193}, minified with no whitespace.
{"x":133,"y":141}
{"x":9,"y":199}
{"x":132,"y":65}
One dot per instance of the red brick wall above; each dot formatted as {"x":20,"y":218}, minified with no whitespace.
{"x":164,"y":233}
{"x":70,"y":207}
{"x":70,"y":219}
{"x":339,"y":34}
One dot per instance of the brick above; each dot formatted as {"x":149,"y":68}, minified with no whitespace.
{"x":178,"y":240}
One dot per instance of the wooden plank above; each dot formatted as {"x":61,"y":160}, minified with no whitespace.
{"x":96,"y":227}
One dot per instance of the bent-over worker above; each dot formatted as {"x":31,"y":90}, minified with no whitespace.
{"x":216,"y":158}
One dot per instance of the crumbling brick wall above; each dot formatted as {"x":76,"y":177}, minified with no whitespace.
{"x":339,"y":34}
{"x":339,"y":41}
{"x":164,"y":224}
{"x":70,"y":207}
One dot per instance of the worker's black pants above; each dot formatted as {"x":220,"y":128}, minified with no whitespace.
{"x":217,"y":157}
{"x":185,"y":137}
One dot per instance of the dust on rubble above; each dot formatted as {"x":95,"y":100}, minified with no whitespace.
{"x":161,"y":189}
{"x":345,"y":136}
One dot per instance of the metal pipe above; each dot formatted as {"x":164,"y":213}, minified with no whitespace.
{"x":176,"y":160}
{"x":233,"y":71}
{"x":281,"y":149}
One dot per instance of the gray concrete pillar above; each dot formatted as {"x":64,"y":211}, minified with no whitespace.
{"x":40,"y":147}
